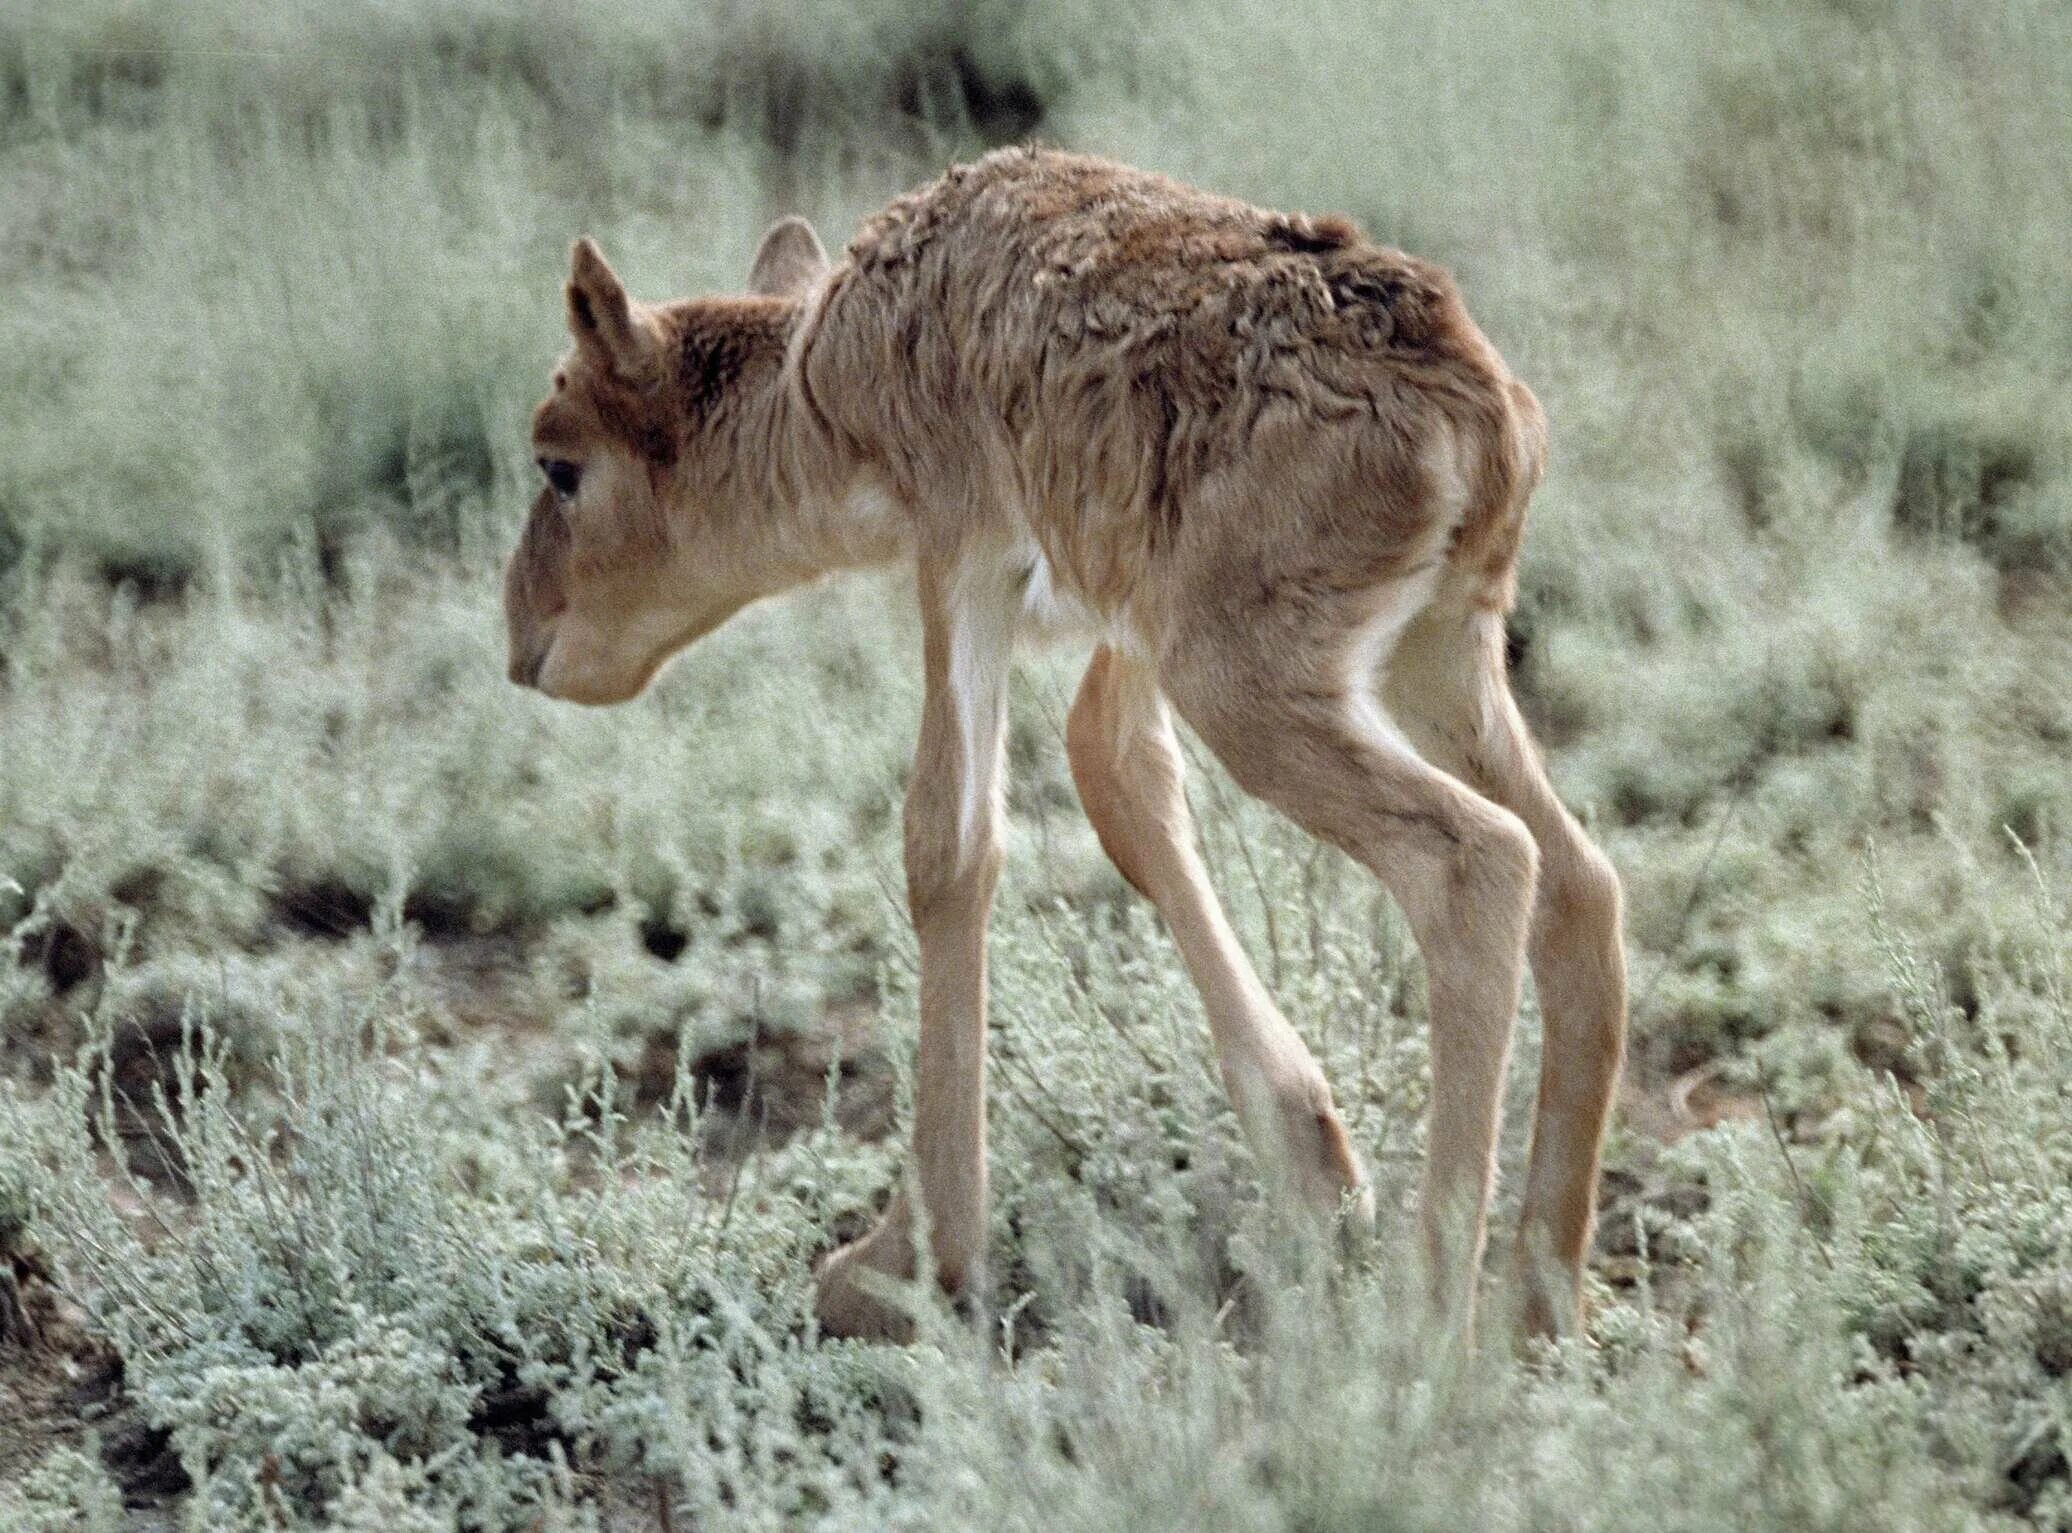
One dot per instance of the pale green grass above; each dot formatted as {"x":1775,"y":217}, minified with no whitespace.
{"x":281,"y":285}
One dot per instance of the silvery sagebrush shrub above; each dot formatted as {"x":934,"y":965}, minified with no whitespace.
{"x":1788,"y":297}
{"x":1861,"y":1332}
{"x":68,"y":1492}
{"x":370,"y":1273}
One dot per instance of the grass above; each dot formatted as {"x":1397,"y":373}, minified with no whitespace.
{"x":420,"y":1104}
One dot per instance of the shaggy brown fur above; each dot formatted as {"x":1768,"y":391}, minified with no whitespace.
{"x":1274,"y":469}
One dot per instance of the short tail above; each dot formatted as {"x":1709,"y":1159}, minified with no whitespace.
{"x":1511,"y":465}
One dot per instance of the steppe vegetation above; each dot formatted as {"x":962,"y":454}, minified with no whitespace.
{"x":421,"y":1104}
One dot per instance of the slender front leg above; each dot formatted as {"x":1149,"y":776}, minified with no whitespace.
{"x":953,"y":814}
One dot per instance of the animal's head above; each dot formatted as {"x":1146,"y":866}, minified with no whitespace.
{"x":644,"y":533}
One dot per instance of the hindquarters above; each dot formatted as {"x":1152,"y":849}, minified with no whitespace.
{"x":1331,"y":533}
{"x":1341,"y":652}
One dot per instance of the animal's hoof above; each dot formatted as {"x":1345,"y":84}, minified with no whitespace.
{"x":844,"y":1302}
{"x":1550,"y":1311}
{"x":1327,"y":1167}
{"x":1356,"y":1212}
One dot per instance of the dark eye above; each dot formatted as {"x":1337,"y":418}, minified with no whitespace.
{"x":563,"y":475}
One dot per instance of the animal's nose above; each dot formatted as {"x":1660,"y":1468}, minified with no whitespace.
{"x":524,"y":669}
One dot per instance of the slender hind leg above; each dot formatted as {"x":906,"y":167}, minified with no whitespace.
{"x":1446,"y":682}
{"x":1128,"y":767}
{"x":1282,"y":707}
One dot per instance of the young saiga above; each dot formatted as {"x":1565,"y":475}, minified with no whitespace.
{"x":1280,"y":478}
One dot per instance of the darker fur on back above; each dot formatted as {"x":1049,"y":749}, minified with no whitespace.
{"x":1131,"y":345}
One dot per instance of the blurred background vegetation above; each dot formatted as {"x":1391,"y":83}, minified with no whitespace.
{"x":281,"y":286}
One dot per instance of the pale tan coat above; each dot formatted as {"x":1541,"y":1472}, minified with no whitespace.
{"x":1280,"y":478}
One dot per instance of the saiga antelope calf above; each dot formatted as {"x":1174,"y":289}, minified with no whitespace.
{"x":1275,"y":471}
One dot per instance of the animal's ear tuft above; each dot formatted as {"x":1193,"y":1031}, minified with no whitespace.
{"x":789,"y":260}
{"x":600,"y":315}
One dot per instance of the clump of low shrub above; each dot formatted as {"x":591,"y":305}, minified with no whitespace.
{"x":68,"y":1492}
{"x":389,"y":1286}
{"x":377,"y":1290}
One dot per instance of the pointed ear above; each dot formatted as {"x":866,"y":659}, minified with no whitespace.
{"x":789,"y":260}
{"x":600,"y":315}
